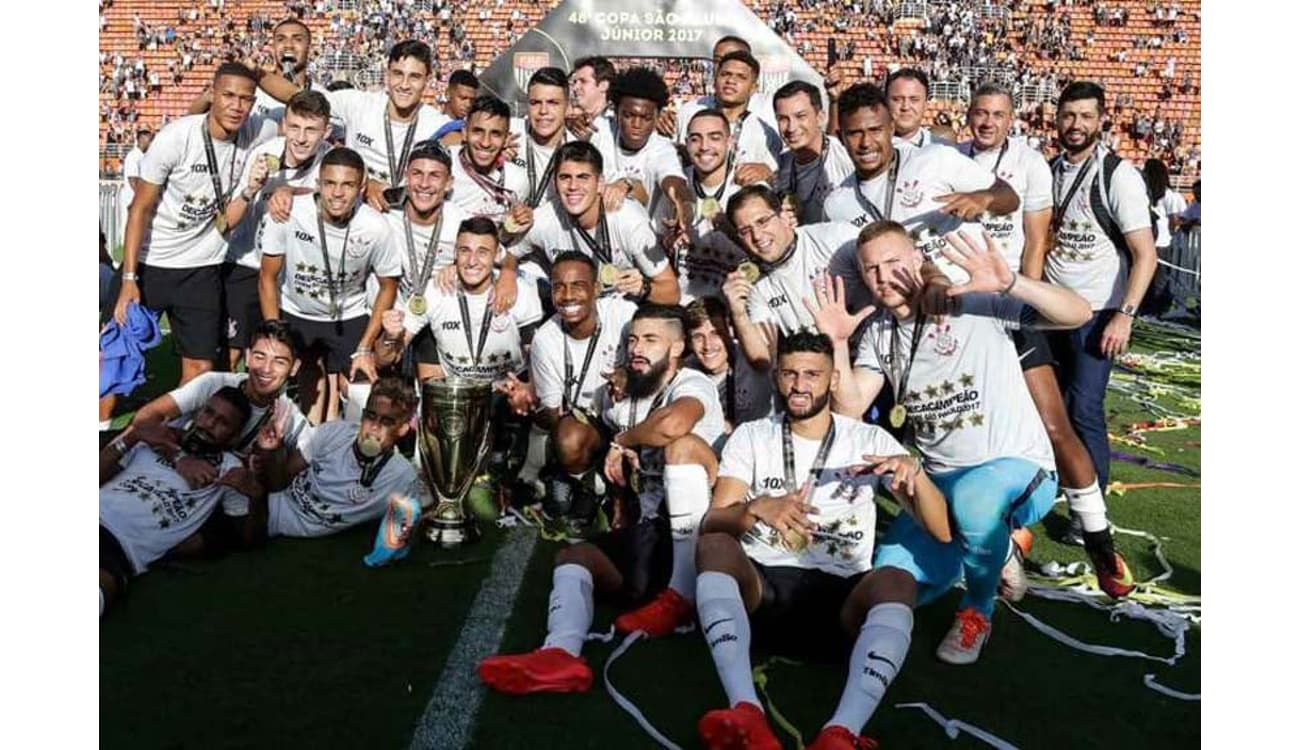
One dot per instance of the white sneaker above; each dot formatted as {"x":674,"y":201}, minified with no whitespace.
{"x":965,"y":638}
{"x":1014,"y":584}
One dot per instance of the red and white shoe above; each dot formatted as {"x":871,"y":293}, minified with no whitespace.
{"x":660,"y":617}
{"x":965,"y":638}
{"x":836,"y":737}
{"x":1114,"y":578}
{"x":741,"y":728}
{"x":1014,"y":584}
{"x":546,"y":670}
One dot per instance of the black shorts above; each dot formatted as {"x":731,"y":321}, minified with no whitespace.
{"x":191,"y":297}
{"x":643,"y":554}
{"x":337,"y":339}
{"x":1033,"y":348}
{"x":424,"y":348}
{"x":241,"y":303}
{"x":113,"y":560}
{"x":800,"y":607}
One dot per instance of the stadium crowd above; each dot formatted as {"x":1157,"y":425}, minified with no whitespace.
{"x":717,"y":329}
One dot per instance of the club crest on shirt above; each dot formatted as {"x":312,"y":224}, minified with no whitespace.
{"x":910,"y":194}
{"x":945,"y":344}
{"x":357,"y":246}
{"x":499,"y":323}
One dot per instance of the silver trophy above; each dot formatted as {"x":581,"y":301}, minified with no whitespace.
{"x":455,"y":436}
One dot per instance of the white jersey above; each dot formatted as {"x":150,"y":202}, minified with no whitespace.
{"x":845,"y":536}
{"x":547,"y":356}
{"x":444,"y":249}
{"x":502,"y":347}
{"x":923,"y":174}
{"x":1083,"y":257}
{"x":757,"y":139}
{"x":811,"y":183}
{"x":533,"y":158}
{"x":779,"y":294}
{"x":130,"y":168}
{"x":1172,"y":203}
{"x":476,"y":200}
{"x":629,"y":412}
{"x":193,"y":395}
{"x":366,"y":245}
{"x":242,"y":246}
{"x":1026,"y":171}
{"x":632,"y":243}
{"x":363,"y":113}
{"x":703,"y":264}
{"x":656,"y":160}
{"x":966,"y":396}
{"x":149,"y":508}
{"x":328,"y":496}
{"x":183,"y":233}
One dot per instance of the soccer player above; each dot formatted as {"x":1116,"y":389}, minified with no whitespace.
{"x":292,"y":160}
{"x":1103,"y":249}
{"x":471,"y":339}
{"x":813,"y":163}
{"x":343,"y":475}
{"x":174,"y":246}
{"x":462,"y":89}
{"x":785,"y":550}
{"x":313,"y":275}
{"x":758,"y":102}
{"x":543,"y":131}
{"x":621,"y":243}
{"x":744,"y":391}
{"x":959,"y":391}
{"x":483,"y":183}
{"x":735,"y":94}
{"x":666,"y":421}
{"x":706,"y":254}
{"x":908,"y":90}
{"x":291,"y":47}
{"x":789,"y":259}
{"x":1020,"y":234}
{"x":147,"y":507}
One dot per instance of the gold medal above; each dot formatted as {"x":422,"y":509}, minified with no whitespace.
{"x":221,"y":222}
{"x":750,"y":271}
{"x":898,"y":415}
{"x":709,"y":207}
{"x":272,"y":163}
{"x":608,"y":274}
{"x":510,"y":225}
{"x":334,"y":310}
{"x":417,"y":304}
{"x":795,"y":541}
{"x":581,"y":415}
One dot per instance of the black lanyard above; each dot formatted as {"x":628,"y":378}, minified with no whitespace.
{"x":570,"y":401}
{"x":870,"y":207}
{"x":397,"y":167}
{"x":722,"y":187}
{"x":768,"y":268}
{"x":536,"y":190}
{"x":335,"y":308}
{"x":1006,"y":142}
{"x":248,"y":437}
{"x":1058,"y":207}
{"x":900,"y":390}
{"x":599,"y":245}
{"x":787,"y":453}
{"x":477,"y":353}
{"x":731,"y":390}
{"x":658,"y":402}
{"x":370,"y":468}
{"x":210,"y":152}
{"x":794,"y":169}
{"x":422,"y":270}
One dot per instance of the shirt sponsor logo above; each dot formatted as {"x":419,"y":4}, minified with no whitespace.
{"x":304,"y":236}
{"x":365,"y":140}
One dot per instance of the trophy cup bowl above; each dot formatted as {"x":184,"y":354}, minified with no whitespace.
{"x":455,"y":434}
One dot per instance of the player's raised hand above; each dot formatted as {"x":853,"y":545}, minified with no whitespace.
{"x":271,"y":436}
{"x":195,"y":471}
{"x":752,"y":172}
{"x":829,"y":311}
{"x":737,"y":289}
{"x":965,"y":206}
{"x":519,"y":395}
{"x":987,"y":268}
{"x":904,"y":467}
{"x":617,"y":380}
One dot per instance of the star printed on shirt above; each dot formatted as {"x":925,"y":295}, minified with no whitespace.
{"x":300,"y":267}
{"x":947,"y":387}
{"x":912,"y":396}
{"x":164,"y":523}
{"x":1074,"y":225}
{"x":931,"y":391}
{"x":311,"y":269}
{"x":966,"y":380}
{"x":976,"y":419}
{"x":188,"y":199}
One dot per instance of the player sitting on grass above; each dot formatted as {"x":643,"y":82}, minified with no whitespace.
{"x":667,"y":420}
{"x":786,"y":549}
{"x":147,"y":507}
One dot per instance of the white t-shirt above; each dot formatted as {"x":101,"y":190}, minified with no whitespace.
{"x":779,"y":294}
{"x":243,"y":238}
{"x":656,"y":160}
{"x":550,"y":343}
{"x":757,"y":140}
{"x":304,"y":286}
{"x":1026,"y":171}
{"x":328,"y":497}
{"x":966,"y":395}
{"x":632,"y":241}
{"x":183,"y":233}
{"x":475,"y":200}
{"x":846,"y":520}
{"x":540,"y":155}
{"x":149,"y":508}
{"x":813,"y":182}
{"x":1083,"y":258}
{"x":194,"y":394}
{"x":629,"y":412}
{"x":702,"y":266}
{"x":502,"y":348}
{"x":445,"y":247}
{"x":130,"y":168}
{"x":362,"y":112}
{"x":922,"y":174}
{"x":1171,"y":204}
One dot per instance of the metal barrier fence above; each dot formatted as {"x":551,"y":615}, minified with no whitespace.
{"x":1185,"y":278}
{"x":112,"y":215}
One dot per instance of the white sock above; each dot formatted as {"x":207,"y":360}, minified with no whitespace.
{"x":572,"y":606}
{"x":877,"y":656}
{"x":726,"y":629}
{"x":1089,"y":505}
{"x":106,"y":425}
{"x":686,"y":487}
{"x":535,"y":458}
{"x":101,"y":602}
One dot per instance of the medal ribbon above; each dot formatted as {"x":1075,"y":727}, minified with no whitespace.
{"x":1058,"y":207}
{"x":477,"y":352}
{"x":599,"y":245}
{"x":901,"y":390}
{"x":536,"y":190}
{"x":794,"y":168}
{"x":787,"y":454}
{"x":870,"y":207}
{"x":397,"y":168}
{"x":722,"y":188}
{"x":569,"y":401}
{"x":422,"y":269}
{"x":495,"y":189}
{"x":335,"y":307}
{"x":210,"y":154}
{"x":731,"y":390}
{"x":370,"y":468}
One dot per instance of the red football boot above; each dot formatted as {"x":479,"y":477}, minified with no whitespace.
{"x":660,"y":617}
{"x":546,"y":670}
{"x":836,"y":737}
{"x":741,"y":728}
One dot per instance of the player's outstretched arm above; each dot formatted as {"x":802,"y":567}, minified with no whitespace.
{"x":989,"y":273}
{"x":912,"y":487}
{"x":728,"y":512}
{"x":665,"y":425}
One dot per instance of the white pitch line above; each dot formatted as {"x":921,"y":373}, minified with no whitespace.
{"x":448,"y":720}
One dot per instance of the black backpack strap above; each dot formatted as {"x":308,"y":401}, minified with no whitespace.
{"x":1101,"y":209}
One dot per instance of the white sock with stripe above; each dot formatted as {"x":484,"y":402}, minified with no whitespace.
{"x":726,"y":629}
{"x":686,"y":487}
{"x":572,"y":606}
{"x":877,"y":656}
{"x":1089,"y":504}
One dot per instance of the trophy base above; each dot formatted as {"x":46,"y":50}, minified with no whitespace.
{"x":448,"y":526}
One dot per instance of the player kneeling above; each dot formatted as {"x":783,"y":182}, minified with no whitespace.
{"x":786,"y":549}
